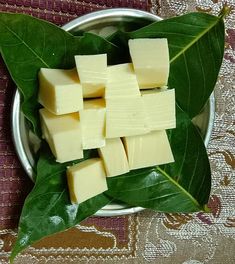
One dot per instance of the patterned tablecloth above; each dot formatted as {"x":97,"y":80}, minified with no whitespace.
{"x":146,"y":236}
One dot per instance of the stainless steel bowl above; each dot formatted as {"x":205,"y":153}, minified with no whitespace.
{"x":126,"y":18}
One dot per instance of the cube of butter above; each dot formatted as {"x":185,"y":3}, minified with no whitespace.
{"x":114,"y":157}
{"x":150,"y":58}
{"x":93,"y":123}
{"x":121,"y":81}
{"x":92,"y":71}
{"x":60,"y":91}
{"x":125,"y":117}
{"x":148,"y":150}
{"x":159,"y":105}
{"x":86,"y":180}
{"x":63,"y":134}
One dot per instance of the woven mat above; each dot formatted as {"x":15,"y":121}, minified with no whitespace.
{"x":146,"y":236}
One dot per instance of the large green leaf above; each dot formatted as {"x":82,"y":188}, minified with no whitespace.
{"x":191,"y":168}
{"x":196,"y":46}
{"x":28,"y":44}
{"x":182,"y":186}
{"x":152,"y":188}
{"x":47,"y":209}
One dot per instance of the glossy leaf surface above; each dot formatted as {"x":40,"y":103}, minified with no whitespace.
{"x":181,"y":186}
{"x":47,"y":209}
{"x":28,"y":44}
{"x":196,"y":47}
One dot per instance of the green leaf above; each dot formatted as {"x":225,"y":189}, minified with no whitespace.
{"x":152,"y":188}
{"x":182,"y":186}
{"x":47,"y":209}
{"x":28,"y":44}
{"x":196,"y":46}
{"x":94,"y":44}
{"x":191,"y":168}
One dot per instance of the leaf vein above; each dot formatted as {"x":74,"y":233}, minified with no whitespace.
{"x":203,"y":72}
{"x":161,"y":197}
{"x":184,"y":157}
{"x":194,"y":40}
{"x":189,"y":82}
{"x":217,"y":42}
{"x":179,"y":186}
{"x":145,"y":187}
{"x":48,"y":209}
{"x":194,"y":171}
{"x":23,"y":42}
{"x":185,"y":24}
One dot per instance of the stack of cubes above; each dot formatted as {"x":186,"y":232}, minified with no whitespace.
{"x":119,"y":110}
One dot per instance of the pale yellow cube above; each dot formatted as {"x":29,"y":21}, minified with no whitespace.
{"x":125,"y":117}
{"x":63,"y":134}
{"x":92,"y":71}
{"x":150,"y":58}
{"x":148,"y":150}
{"x":121,"y":81}
{"x":114,"y":157}
{"x":93,"y":123}
{"x":86,"y":180}
{"x":60,"y":91}
{"x":159,"y":105}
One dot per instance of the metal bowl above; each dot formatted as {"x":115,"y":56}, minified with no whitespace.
{"x":121,"y":17}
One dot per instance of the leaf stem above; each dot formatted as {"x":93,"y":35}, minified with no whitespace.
{"x":225,"y":11}
{"x":206,"y":209}
{"x":180,"y":187}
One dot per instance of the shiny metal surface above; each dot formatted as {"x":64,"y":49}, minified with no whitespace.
{"x":109,"y":17}
{"x":97,"y":20}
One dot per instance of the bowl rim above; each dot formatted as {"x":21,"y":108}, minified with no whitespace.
{"x":107,"y":13}
{"x":17,"y":117}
